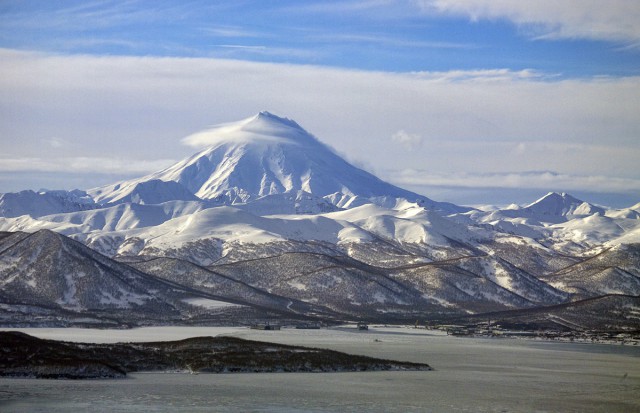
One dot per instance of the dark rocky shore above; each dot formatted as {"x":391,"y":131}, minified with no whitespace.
{"x":22,"y":355}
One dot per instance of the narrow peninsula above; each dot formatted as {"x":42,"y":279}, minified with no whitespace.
{"x":30,"y":357}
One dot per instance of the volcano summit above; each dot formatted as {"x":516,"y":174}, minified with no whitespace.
{"x":259,"y":156}
{"x":267,"y":223}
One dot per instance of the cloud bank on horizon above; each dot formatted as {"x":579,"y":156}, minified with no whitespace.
{"x":459,"y":98}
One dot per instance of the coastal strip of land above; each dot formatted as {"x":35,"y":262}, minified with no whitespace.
{"x":26,"y":356}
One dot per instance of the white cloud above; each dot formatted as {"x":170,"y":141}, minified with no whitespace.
{"x":615,"y":20}
{"x":544,"y":180}
{"x":225,"y":132}
{"x":479,"y":122}
{"x":408,"y":140}
{"x":100,"y":165}
{"x":388,"y":41}
{"x":484,"y":75}
{"x":520,"y":149}
{"x":55,"y":142}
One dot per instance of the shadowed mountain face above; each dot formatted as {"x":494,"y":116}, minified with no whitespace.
{"x":268,"y":222}
{"x":45,"y":268}
{"x":49,"y":279}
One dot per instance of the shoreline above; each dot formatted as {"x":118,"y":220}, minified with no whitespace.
{"x":169,"y":333}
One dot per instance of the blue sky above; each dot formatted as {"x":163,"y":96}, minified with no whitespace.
{"x":399,"y":36}
{"x":470,"y":101}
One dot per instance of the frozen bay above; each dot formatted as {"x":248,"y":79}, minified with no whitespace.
{"x":477,"y":375}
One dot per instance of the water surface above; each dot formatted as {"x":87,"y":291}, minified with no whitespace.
{"x":471,"y":375}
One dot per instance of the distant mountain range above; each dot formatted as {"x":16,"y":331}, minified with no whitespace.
{"x":269,"y":223}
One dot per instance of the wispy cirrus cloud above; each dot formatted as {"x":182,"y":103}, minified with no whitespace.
{"x":238,"y":51}
{"x":242,"y":47}
{"x":388,"y":40}
{"x":232,"y":31}
{"x":342,"y":7}
{"x":613,"y":20}
{"x":88,"y":15}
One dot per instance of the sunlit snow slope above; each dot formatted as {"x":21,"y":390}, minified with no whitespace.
{"x":266,"y":155}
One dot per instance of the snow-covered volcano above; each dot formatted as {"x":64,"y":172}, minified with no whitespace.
{"x":270,"y":218}
{"x":265,"y":155}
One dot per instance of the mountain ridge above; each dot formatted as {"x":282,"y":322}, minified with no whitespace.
{"x":268,"y":222}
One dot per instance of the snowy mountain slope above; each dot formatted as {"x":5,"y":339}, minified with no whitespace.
{"x":153,"y":191}
{"x":595,"y":230}
{"x":227,"y":288}
{"x":352,"y":287}
{"x":456,"y":289}
{"x":124,"y":216}
{"x":49,"y":271}
{"x":127,"y":216}
{"x":222,"y":228}
{"x":340,"y":283}
{"x":411,"y":224}
{"x":514,"y":279}
{"x":614,"y":271}
{"x":552,"y":208}
{"x":45,"y":268}
{"x":562,"y":222}
{"x":36,"y":204}
{"x":267,"y":155}
{"x":117,"y":217}
{"x":560,"y":205}
{"x":627,"y":213}
{"x":529,"y":256}
{"x":271,"y":220}
{"x":290,"y":203}
{"x":609,"y":312}
{"x":128,"y":228}
{"x":194,"y":230}
{"x":308,"y":284}
{"x":631,"y":236}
